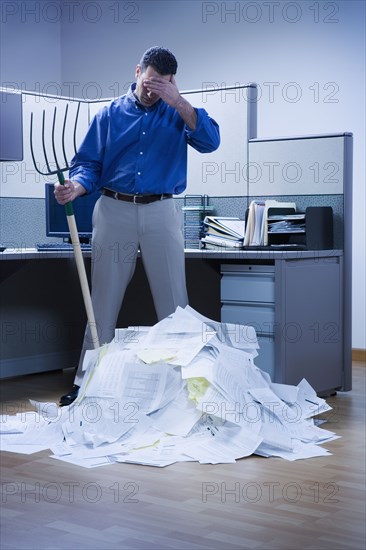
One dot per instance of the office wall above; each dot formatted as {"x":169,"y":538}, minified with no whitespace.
{"x":307,"y":58}
{"x":30,"y":40}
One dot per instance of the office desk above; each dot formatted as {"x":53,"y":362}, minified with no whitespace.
{"x":300,"y":317}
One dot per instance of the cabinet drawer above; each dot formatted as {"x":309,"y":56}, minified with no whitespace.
{"x":260,"y":316}
{"x":248,"y":287}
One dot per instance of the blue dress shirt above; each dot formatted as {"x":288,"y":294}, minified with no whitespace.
{"x":136,"y":150}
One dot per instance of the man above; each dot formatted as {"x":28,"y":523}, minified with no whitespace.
{"x":135,"y":151}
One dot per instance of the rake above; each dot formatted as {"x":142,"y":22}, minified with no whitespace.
{"x":68,"y":207}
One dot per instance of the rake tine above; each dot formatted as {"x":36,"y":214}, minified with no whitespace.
{"x":53,"y":140}
{"x":32,"y":152}
{"x":76,"y":122}
{"x":44,"y":143}
{"x":31,"y":145}
{"x":63,"y":137}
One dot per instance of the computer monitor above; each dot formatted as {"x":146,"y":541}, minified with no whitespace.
{"x":56,"y":221}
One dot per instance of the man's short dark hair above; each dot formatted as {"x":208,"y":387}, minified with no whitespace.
{"x":160,"y":59}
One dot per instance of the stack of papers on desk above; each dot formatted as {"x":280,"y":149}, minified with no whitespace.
{"x":257,"y":222}
{"x":224,"y":232}
{"x":182,"y":390}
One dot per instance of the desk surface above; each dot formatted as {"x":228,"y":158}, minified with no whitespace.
{"x":256,"y":254}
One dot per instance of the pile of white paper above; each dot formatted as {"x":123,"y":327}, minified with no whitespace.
{"x":186,"y":389}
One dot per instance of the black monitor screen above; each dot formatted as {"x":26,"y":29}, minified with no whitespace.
{"x":56,"y":221}
{"x":11,"y":126}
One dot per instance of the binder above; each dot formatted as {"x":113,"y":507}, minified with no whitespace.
{"x":223,"y":231}
{"x":227,"y":227}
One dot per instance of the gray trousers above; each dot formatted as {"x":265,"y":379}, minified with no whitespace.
{"x":119,"y":230}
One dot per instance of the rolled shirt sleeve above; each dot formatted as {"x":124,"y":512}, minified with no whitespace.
{"x":206,"y":136}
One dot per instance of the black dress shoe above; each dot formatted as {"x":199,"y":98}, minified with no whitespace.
{"x":69,"y":397}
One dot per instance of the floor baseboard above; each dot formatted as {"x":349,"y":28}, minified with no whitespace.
{"x":359,"y":355}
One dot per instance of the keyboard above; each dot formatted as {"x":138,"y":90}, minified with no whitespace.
{"x":55,"y":247}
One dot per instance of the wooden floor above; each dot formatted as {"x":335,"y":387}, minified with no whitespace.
{"x":256,"y":503}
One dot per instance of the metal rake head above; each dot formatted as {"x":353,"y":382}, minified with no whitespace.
{"x":66,"y":166}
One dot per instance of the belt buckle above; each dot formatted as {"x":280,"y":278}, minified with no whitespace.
{"x":115,"y":195}
{"x":134,"y":199}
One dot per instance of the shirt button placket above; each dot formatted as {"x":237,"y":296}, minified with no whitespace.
{"x":141,"y":153}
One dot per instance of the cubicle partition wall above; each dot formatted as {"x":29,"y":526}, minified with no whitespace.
{"x":20,"y":179}
{"x":312,"y":170}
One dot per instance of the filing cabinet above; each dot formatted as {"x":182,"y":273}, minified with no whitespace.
{"x":248,"y":298}
{"x":295,"y":306}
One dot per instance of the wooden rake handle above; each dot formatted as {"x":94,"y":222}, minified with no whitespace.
{"x":80,"y":266}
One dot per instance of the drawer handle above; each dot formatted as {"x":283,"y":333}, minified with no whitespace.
{"x":267,"y":274}
{"x":269,"y":305}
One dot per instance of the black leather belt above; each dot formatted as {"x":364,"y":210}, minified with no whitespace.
{"x":136,"y":199}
